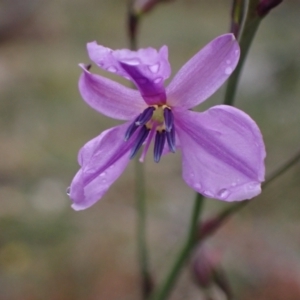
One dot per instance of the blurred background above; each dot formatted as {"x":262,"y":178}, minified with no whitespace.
{"x":49,"y":251}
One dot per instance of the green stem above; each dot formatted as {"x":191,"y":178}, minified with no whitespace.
{"x":246,"y":35}
{"x":164,"y":290}
{"x":141,"y":228}
{"x":146,"y":280}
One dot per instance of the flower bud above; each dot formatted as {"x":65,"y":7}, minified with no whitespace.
{"x":265,"y":6}
{"x":203,"y":267}
{"x":144,"y":6}
{"x":208,"y":273}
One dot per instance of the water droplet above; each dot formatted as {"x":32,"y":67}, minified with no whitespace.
{"x":112,"y":69}
{"x":236,"y":52}
{"x":154,"y":68}
{"x":103,"y":180}
{"x":192,"y":175}
{"x":132,"y":62}
{"x":208,"y":194}
{"x":102,"y":174}
{"x":233,"y":184}
{"x":111,"y":166}
{"x":68,"y":191}
{"x":197,"y":186}
{"x":223,"y":193}
{"x":158,"y":80}
{"x":228,"y":70}
{"x":228,"y":62}
{"x":252,"y":186}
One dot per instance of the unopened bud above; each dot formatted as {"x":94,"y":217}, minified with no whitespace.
{"x":204,"y":266}
{"x":265,"y":6}
{"x":143,"y":6}
{"x":208,"y":273}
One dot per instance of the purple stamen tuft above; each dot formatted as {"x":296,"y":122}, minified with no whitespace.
{"x":171,"y":139}
{"x":169,"y":119}
{"x":160,"y":139}
{"x":141,"y":137}
{"x":145,"y":116}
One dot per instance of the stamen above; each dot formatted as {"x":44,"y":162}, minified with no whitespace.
{"x":131,"y":129}
{"x":145,"y":116}
{"x":160,"y":139}
{"x":169,"y":119}
{"x":171,"y":139}
{"x":142,"y":135}
{"x":147,"y":144}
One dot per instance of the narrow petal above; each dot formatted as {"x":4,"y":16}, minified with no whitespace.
{"x":204,"y":73}
{"x":147,"y":68}
{"x":102,"y":160}
{"x":109,"y":97}
{"x":223,"y":153}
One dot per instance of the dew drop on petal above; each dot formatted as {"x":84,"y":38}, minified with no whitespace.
{"x":103,"y":180}
{"x":228,"y":62}
{"x":223,"y":193}
{"x":132,"y":62}
{"x":236,"y":52}
{"x":158,"y":80}
{"x":228,"y":70}
{"x":233,"y":184}
{"x":208,"y":194}
{"x":154,"y":68}
{"x":197,"y":186}
{"x":68,"y":191}
{"x":102,"y":174}
{"x":112,"y":69}
{"x":252,"y":186}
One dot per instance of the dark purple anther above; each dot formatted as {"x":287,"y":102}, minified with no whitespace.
{"x":141,"y":137}
{"x":171,"y":139}
{"x":169,"y":119}
{"x":160,"y":139}
{"x":131,"y":129}
{"x":145,"y":116}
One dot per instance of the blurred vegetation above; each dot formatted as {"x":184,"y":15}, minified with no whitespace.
{"x":48,"y":251}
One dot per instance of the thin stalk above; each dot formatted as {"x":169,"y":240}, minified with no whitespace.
{"x":164,"y":290}
{"x":142,"y":228}
{"x":140,"y":195}
{"x":245,"y":38}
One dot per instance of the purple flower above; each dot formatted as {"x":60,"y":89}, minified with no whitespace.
{"x":222,"y":148}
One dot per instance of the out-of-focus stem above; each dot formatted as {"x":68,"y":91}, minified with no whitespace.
{"x":140,"y":195}
{"x":141,"y":228}
{"x":165,"y":288}
{"x":237,"y":16}
{"x":245,"y":38}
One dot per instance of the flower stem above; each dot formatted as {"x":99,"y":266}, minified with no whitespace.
{"x":164,"y":290}
{"x":245,"y":38}
{"x":141,"y":228}
{"x":146,"y":280}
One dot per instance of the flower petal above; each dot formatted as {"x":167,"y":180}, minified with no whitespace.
{"x":109,"y":97}
{"x":204,"y":73}
{"x":223,"y":153}
{"x":147,"y":68}
{"x":102,"y":160}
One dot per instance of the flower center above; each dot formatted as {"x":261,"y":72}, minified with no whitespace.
{"x":155,"y":120}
